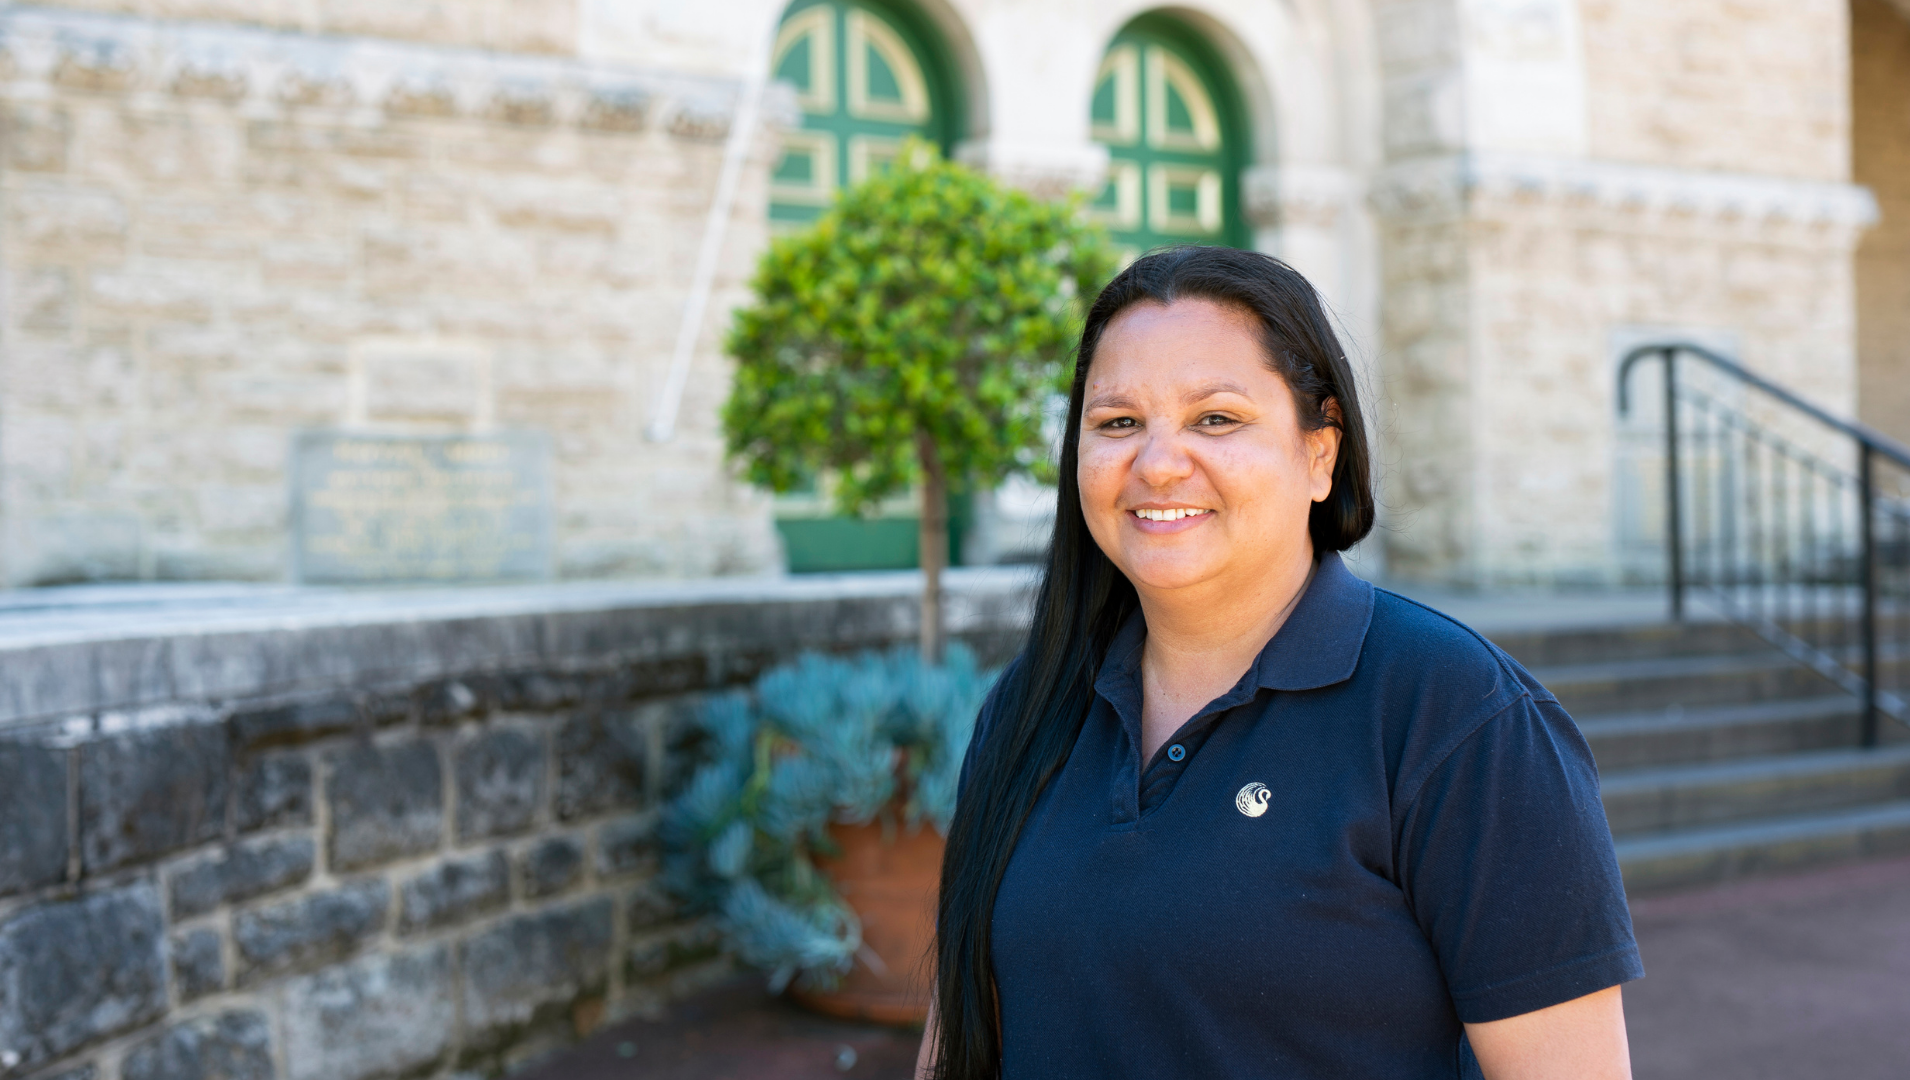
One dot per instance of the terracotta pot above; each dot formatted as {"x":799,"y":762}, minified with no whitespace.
{"x":890,"y":883}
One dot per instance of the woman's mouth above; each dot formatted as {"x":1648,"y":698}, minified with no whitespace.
{"x":1169,"y":519}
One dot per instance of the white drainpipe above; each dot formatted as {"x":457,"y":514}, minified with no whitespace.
{"x":749,"y":101}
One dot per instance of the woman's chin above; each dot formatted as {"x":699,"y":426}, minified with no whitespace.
{"x":1169,"y":571}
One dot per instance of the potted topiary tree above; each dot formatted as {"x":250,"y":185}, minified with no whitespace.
{"x":911,"y":338}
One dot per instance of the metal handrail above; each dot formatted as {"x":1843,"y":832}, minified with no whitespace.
{"x":1868,"y":436}
{"x":1870,"y":444}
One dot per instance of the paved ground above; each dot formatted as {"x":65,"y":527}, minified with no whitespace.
{"x":736,"y":1033}
{"x":1795,"y":978}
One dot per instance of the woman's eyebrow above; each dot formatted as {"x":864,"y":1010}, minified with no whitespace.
{"x":1202,"y":393}
{"x":1108,"y":401}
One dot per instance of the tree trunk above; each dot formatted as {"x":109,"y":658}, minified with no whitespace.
{"x":934,"y":543}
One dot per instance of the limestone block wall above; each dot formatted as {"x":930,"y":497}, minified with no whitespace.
{"x":214,"y":235}
{"x":353,"y":837}
{"x":1565,"y":179}
{"x":1755,"y":86}
{"x":1515,"y":283}
{"x":1880,"y":153}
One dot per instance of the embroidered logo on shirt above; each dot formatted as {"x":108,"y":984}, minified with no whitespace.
{"x":1252,"y":799}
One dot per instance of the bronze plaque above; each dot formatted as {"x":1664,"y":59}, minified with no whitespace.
{"x":413,"y":508}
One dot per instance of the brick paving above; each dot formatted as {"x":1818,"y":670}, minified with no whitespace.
{"x":1793,"y":978}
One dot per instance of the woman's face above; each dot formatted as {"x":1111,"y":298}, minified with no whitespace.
{"x":1182,"y":419}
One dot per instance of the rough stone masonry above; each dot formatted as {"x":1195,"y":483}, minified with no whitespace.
{"x":376,"y":835}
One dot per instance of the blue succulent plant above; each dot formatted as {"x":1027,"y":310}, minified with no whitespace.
{"x":878,"y":736}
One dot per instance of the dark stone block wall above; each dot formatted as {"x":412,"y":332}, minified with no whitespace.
{"x":375,"y":846}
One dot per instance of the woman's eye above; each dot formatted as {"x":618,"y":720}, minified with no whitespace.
{"x":1214,"y":420}
{"x":1120,"y":422}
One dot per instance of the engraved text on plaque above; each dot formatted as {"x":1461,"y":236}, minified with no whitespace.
{"x":370,"y":508}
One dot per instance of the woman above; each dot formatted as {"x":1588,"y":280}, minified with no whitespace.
{"x":1234,"y":812}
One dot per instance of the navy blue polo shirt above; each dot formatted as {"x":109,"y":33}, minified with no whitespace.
{"x":1386,"y":829}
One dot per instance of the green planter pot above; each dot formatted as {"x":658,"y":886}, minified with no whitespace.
{"x":822,"y":545}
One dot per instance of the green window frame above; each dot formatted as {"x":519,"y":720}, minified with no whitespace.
{"x":1167,"y":109}
{"x":867,"y":75}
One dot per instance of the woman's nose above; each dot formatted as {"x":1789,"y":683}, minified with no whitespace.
{"x":1163,"y":460}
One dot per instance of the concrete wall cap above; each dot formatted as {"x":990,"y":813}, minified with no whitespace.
{"x":136,"y":651}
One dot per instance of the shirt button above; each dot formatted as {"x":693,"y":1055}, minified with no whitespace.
{"x":1176,"y":752}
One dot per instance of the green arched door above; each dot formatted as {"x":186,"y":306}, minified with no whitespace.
{"x":1166,"y":110}
{"x":866,"y":76}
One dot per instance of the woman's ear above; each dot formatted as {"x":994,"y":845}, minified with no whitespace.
{"x":1323,"y":450}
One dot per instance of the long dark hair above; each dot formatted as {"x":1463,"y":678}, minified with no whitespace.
{"x":1083,"y":601}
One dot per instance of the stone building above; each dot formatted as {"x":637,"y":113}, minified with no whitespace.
{"x":227,"y":222}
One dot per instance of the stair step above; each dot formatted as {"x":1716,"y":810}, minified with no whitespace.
{"x":1642,"y":685}
{"x":1679,"y":735}
{"x":1553,"y":648}
{"x":1686,"y":796}
{"x":1653,"y":864}
{"x":1720,"y":756}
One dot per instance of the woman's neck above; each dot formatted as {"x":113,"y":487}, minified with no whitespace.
{"x":1200,"y":641}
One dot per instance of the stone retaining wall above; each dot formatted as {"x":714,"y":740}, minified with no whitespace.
{"x":374,"y":842}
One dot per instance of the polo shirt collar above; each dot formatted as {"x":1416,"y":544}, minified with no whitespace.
{"x":1318,"y":645}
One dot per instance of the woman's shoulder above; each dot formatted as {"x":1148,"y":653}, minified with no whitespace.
{"x":1437,"y":654}
{"x":1442,"y":684}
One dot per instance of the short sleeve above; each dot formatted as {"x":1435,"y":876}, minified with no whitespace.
{"x":1507,"y":861}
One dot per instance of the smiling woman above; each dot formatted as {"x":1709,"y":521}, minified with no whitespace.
{"x":1233,"y":811}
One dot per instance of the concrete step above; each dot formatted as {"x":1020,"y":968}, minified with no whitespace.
{"x":1677,"y":735}
{"x":1691,"y":857}
{"x":1651,"y":800}
{"x":1648,"y":641}
{"x":1642,"y":685}
{"x":1720,"y":756}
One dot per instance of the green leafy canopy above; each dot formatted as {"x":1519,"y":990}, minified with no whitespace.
{"x":928,"y":299}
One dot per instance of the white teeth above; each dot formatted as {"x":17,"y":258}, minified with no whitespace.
{"x":1168,"y":515}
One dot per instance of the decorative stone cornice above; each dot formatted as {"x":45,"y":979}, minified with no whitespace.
{"x":1475,"y":181}
{"x":265,"y":72}
{"x":1298,"y":196}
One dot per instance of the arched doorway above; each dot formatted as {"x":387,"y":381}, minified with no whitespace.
{"x":867,"y":75}
{"x":1167,"y":109}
